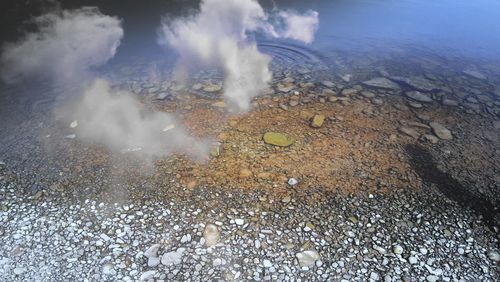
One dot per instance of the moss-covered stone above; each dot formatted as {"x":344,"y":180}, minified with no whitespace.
{"x":278,"y":139}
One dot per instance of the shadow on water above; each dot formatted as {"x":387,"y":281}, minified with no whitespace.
{"x":424,"y":165}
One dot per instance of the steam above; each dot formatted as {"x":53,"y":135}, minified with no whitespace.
{"x":117,"y":120}
{"x":300,"y":27}
{"x":219,"y":36}
{"x":67,"y":44}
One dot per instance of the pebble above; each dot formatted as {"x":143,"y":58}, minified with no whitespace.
{"x":307,"y":258}
{"x":432,"y":278}
{"x":73,"y":124}
{"x":148,"y":275}
{"x":494,"y":256}
{"x":267,"y":263}
{"x":292,"y":181}
{"x":152,"y":251}
{"x":397,"y":250}
{"x":19,"y":270}
{"x":211,"y":234}
{"x":153,"y":261}
{"x":172,"y":258}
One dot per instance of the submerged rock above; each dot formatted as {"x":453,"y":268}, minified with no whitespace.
{"x":211,"y":88}
{"x":441,"y":131}
{"x":475,"y":74}
{"x":245,"y":172}
{"x":418,"y":83}
{"x":381,"y":82}
{"x":277,"y":139}
{"x":317,"y":121}
{"x":409,"y":131}
{"x":418,"y":96}
{"x":328,"y":84}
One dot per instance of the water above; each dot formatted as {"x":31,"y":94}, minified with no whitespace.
{"x":356,"y":41}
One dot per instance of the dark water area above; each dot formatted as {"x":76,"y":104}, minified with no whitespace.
{"x":464,"y":28}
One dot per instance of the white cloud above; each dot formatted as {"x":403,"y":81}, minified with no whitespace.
{"x":299,"y":27}
{"x":119,"y":121}
{"x":218,"y":36}
{"x":65,"y":46}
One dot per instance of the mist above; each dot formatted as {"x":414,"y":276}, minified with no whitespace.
{"x":116,"y":119}
{"x":66,"y":48}
{"x":220,"y":35}
{"x":66,"y":45}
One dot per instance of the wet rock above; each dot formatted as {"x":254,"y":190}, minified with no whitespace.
{"x":219,"y":104}
{"x":431,"y":138}
{"x":409,"y":131}
{"x":496,"y":125}
{"x":449,"y":102}
{"x":328,"y":84}
{"x":307,"y":258}
{"x":377,"y":101}
{"x":367,"y":94}
{"x":277,"y":139}
{"x":328,"y":92}
{"x":245,"y":172}
{"x":211,"y":234}
{"x":162,"y":96}
{"x":211,"y":88}
{"x":496,"y":92}
{"x":285,"y":88}
{"x":381,"y":82}
{"x":475,"y":74}
{"x":197,"y":86}
{"x":440,"y":131}
{"x":317,"y":121}
{"x":346,"y":77}
{"x":415,"y":105}
{"x":349,"y":91}
{"x":418,"y":96}
{"x":419,"y":83}
{"x":332,"y":99}
{"x":264,"y":175}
